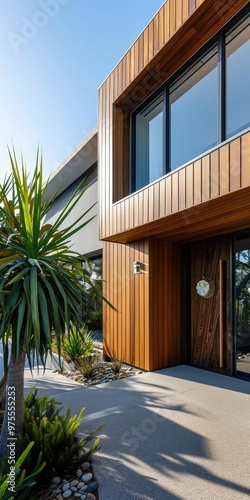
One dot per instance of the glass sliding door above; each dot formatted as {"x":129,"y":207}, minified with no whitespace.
{"x":242,"y":304}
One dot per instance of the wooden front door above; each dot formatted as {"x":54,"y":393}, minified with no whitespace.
{"x":210,"y":343}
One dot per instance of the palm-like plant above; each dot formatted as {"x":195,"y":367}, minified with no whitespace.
{"x":39,"y":279}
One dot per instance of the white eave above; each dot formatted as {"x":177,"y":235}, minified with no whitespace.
{"x":78,"y":161}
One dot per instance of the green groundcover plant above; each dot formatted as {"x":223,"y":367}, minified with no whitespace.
{"x":14,"y":480}
{"x":50,"y":447}
{"x":55,"y":436}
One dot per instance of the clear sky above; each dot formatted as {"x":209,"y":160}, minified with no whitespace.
{"x":54,"y":54}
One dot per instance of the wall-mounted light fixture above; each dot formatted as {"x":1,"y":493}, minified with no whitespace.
{"x":137,"y":267}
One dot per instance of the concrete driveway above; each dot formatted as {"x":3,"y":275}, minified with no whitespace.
{"x":179,"y":433}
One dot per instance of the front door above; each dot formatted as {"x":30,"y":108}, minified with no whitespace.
{"x":210,"y":342}
{"x":242,"y":304}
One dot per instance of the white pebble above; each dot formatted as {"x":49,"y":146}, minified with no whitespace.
{"x":80,"y":485}
{"x":56,"y":480}
{"x":65,"y":487}
{"x":67,"y":494}
{"x":87,"y":477}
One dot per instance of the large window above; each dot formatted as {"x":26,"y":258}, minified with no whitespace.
{"x":193,"y":111}
{"x":205,"y":104}
{"x":238,"y":78}
{"x":149,"y":143}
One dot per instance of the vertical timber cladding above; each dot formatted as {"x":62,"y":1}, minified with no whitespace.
{"x":165,"y":303}
{"x":145,"y":329}
{"x":206,"y":312}
{"x":126,"y":329}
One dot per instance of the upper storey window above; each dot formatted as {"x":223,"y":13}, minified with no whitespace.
{"x":238,"y":78}
{"x":193,"y":111}
{"x":205,"y":104}
{"x":149,"y":143}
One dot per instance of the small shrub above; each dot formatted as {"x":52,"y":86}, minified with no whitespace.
{"x":55,"y":436}
{"x":78,"y":342}
{"x":24,"y":484}
{"x":116,"y":366}
{"x":86,"y":365}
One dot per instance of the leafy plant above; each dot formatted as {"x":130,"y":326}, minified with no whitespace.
{"x":86,"y":365}
{"x":23,"y":484}
{"x":116,"y":366}
{"x":78,"y":342}
{"x":55,"y":436}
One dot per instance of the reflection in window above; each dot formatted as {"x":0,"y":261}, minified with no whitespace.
{"x":149,"y":143}
{"x":238,"y":79}
{"x":193,"y":101}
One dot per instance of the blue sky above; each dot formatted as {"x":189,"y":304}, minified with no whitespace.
{"x":54,"y":54}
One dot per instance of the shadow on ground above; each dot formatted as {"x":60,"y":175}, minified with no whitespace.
{"x":171,"y":434}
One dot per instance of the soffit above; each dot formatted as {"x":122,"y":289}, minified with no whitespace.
{"x":224,"y":214}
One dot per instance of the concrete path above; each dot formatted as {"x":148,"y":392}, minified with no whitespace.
{"x":179,"y":433}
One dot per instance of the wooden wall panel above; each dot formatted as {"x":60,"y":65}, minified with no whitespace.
{"x":224,"y":170}
{"x":214,"y":179}
{"x":235,"y":165}
{"x":205,"y":178}
{"x":182,"y":189}
{"x":125,"y":331}
{"x":197,"y":183}
{"x":172,"y":17}
{"x":162,"y":200}
{"x":175,"y":192}
{"x":189,"y":185}
{"x":168,"y":182}
{"x":145,"y":330}
{"x":165,"y":13}
{"x":165,"y":303}
{"x":245,"y":156}
{"x":178,"y":14}
{"x":185,"y":10}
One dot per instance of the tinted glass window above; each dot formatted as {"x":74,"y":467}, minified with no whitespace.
{"x":149,"y":143}
{"x":193,"y":111}
{"x":238,"y":79}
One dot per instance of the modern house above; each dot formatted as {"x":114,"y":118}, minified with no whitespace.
{"x":79,"y":165}
{"x":174,"y":180}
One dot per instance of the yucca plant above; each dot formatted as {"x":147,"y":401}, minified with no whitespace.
{"x":39,"y":277}
{"x":78,"y":342}
{"x":86,"y":365}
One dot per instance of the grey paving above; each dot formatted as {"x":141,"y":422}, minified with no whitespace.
{"x":178,"y":433}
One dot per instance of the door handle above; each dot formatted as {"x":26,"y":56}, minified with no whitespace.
{"x":221,"y":291}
